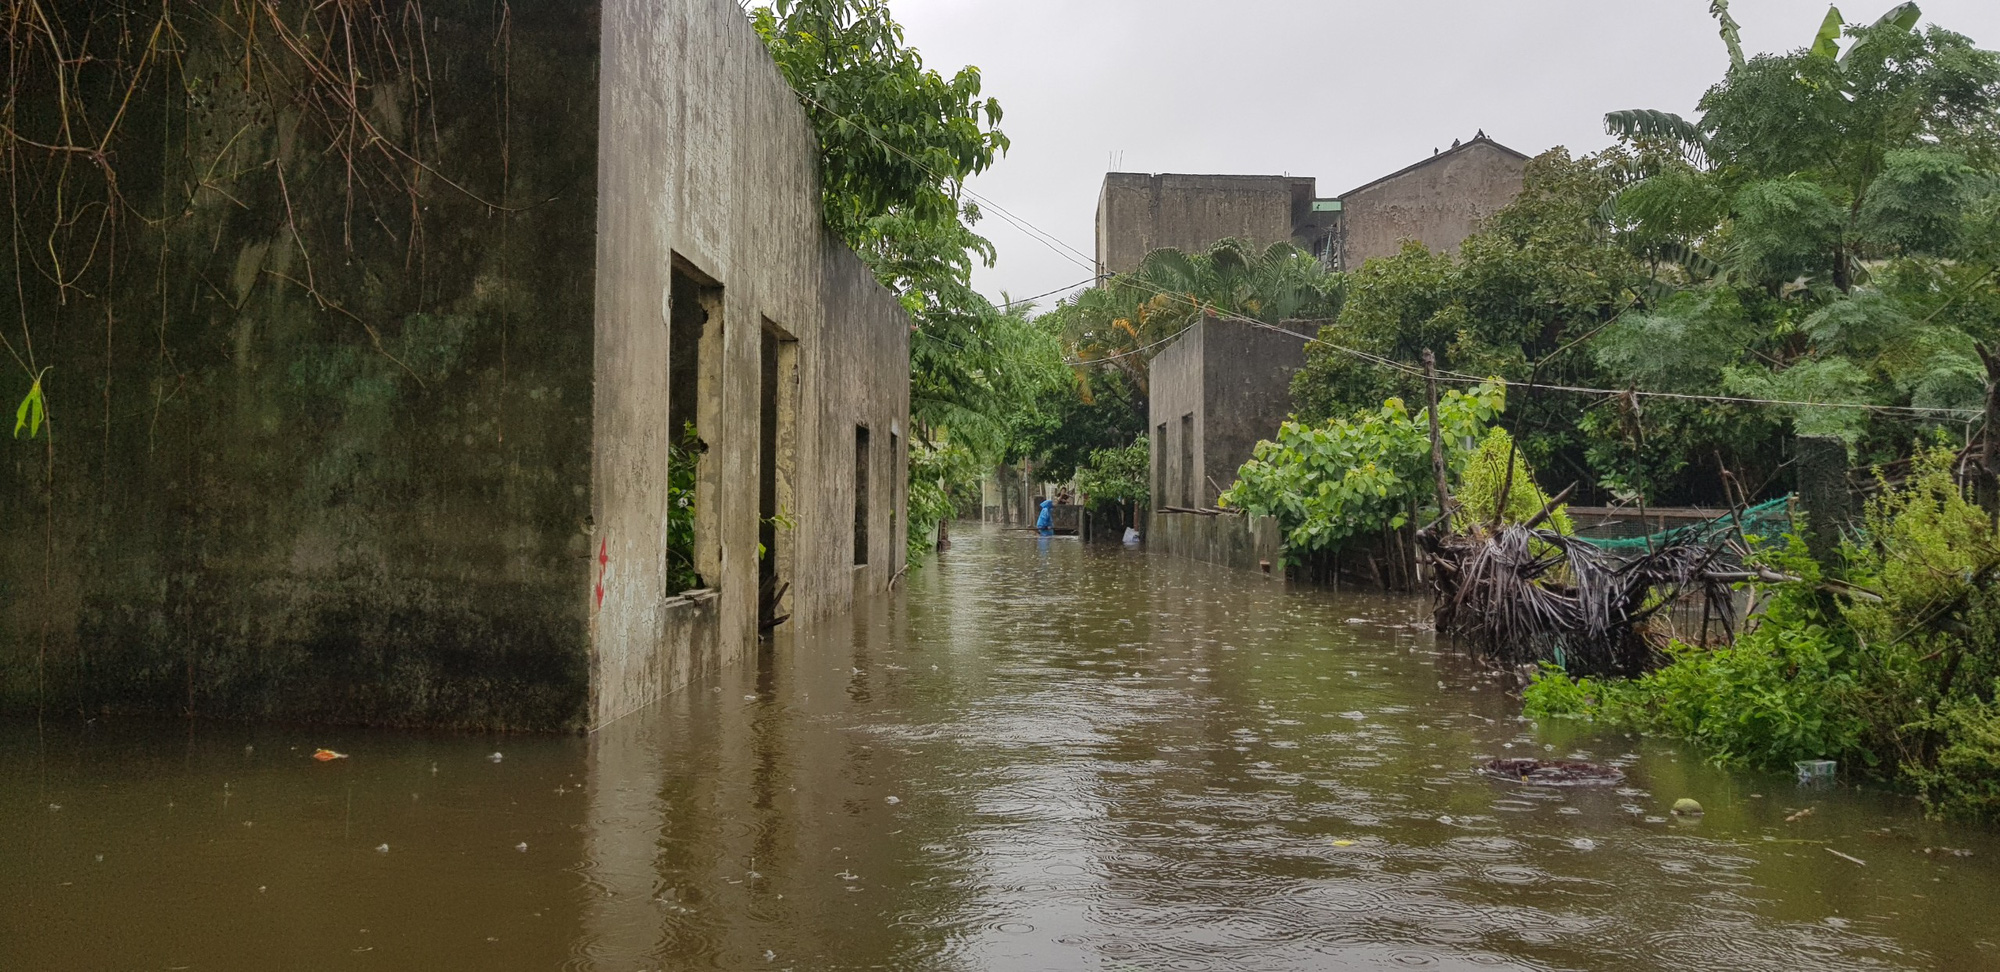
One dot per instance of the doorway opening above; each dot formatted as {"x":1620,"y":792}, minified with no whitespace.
{"x":778,"y":363}
{"x":860,"y":495}
{"x":1187,"y":460}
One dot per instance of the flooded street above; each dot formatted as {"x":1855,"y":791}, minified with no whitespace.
{"x":1039,"y":755}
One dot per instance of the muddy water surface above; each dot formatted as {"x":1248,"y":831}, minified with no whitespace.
{"x":1038,"y":756}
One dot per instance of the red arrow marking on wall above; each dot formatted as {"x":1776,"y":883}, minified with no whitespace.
{"x":603,"y":561}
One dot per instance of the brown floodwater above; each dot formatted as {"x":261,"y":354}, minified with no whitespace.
{"x":1038,"y":755}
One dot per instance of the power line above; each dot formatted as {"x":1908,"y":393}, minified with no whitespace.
{"x":1169,"y":339}
{"x":1022,"y":300}
{"x":1056,"y":244}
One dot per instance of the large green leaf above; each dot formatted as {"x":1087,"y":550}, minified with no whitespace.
{"x":1732,"y":34}
{"x":1901,"y":17}
{"x":1827,"y":42}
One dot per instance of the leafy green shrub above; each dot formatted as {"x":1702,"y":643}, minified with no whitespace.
{"x":1485,"y":476}
{"x":1965,"y":783}
{"x":1117,"y":475}
{"x":1356,"y":476}
{"x":683,"y":457}
{"x":1893,"y":670}
{"x":1554,"y":694}
{"x":1776,"y":697}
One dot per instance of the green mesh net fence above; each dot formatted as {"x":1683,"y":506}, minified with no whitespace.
{"x":1769,"y":519}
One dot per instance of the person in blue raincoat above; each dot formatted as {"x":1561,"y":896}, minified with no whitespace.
{"x":1046,"y":523}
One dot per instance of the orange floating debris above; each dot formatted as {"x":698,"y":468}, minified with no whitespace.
{"x":324,"y":755}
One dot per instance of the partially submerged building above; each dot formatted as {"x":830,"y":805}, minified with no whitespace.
{"x":1216,"y":392}
{"x":1224,"y":386}
{"x":1438,"y":202}
{"x":381,"y":429}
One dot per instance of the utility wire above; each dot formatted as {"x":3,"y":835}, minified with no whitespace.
{"x":1066,"y":287}
{"x":1056,"y":244}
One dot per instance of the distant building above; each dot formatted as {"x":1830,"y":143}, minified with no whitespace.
{"x":1224,"y":386}
{"x":1139,"y":213}
{"x":1437,"y":202}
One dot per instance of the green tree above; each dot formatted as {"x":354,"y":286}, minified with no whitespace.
{"x":1520,"y":299}
{"x":897,"y":142}
{"x":1118,"y":477}
{"x":1357,"y":476}
{"x":1822,"y":232}
{"x":1128,"y":319}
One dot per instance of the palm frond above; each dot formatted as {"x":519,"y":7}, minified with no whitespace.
{"x":1653,"y":125}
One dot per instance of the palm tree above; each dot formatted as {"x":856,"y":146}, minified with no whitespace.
{"x":1128,"y":319}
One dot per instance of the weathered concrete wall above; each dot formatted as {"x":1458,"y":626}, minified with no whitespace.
{"x":387,"y":444}
{"x":1247,"y":393}
{"x":1139,"y":213}
{"x":1215,"y":393}
{"x":708,"y":165}
{"x":1437,"y":202}
{"x":1243,"y":542}
{"x":321,"y":439}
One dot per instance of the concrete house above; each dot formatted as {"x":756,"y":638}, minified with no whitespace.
{"x":1438,"y":202}
{"x":1216,"y":392}
{"x":1224,"y":386}
{"x":344,"y":456}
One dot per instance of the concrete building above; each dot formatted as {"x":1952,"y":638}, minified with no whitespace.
{"x":1139,"y":213}
{"x":1216,"y":392}
{"x":399,"y":454}
{"x":1437,"y":202}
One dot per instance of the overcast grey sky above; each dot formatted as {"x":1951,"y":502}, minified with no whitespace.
{"x":1338,"y":90}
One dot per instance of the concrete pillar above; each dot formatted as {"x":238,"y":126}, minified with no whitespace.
{"x":1823,"y":496}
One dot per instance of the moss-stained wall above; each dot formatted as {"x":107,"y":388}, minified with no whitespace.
{"x":320,"y":383}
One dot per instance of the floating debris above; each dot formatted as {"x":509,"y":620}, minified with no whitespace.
{"x":1801,"y":815}
{"x":327,"y":755}
{"x":1947,"y":851}
{"x":384,"y":849}
{"x":496,"y":757}
{"x":1552,"y":772}
{"x":522,"y":847}
{"x":1687,"y":807}
{"x":1850,"y":858}
{"x":892,"y":801}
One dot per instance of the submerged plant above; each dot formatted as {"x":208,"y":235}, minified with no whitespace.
{"x":1892,"y":670}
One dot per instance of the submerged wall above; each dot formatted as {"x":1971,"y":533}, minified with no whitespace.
{"x":1214,"y":394}
{"x":360,"y":404}
{"x":708,"y":171}
{"x":1252,"y":543}
{"x":320,"y":393}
